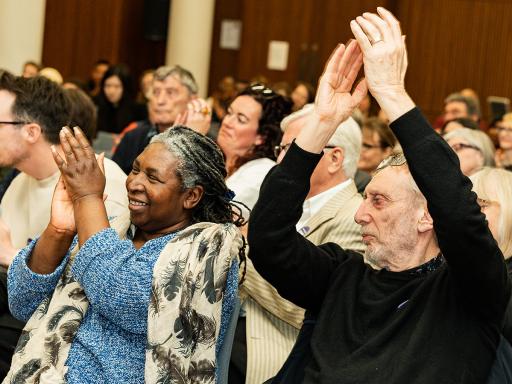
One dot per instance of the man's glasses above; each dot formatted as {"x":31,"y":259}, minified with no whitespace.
{"x":395,"y":160}
{"x":14,"y":122}
{"x":367,"y":147}
{"x":460,"y":146}
{"x":284,"y":147}
{"x":504,"y":130}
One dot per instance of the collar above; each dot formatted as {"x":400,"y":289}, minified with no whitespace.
{"x":314,"y":204}
{"x":428,"y":267}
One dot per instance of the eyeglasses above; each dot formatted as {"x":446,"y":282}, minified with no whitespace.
{"x":14,"y":122}
{"x":395,"y":160}
{"x":366,"y":147}
{"x":460,"y":146}
{"x":504,"y":130}
{"x":483,"y":203}
{"x":284,"y":147}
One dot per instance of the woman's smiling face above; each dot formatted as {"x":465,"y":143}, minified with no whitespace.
{"x":155,"y":193}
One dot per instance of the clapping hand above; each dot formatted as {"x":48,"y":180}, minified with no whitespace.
{"x":81,"y":173}
{"x":197,"y":116}
{"x":334,"y":100}
{"x":385,"y":60}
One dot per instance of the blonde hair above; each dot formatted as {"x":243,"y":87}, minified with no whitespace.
{"x":507,"y":117}
{"x":495,"y":184}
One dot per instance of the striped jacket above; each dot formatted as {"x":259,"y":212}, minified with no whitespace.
{"x":272,"y":322}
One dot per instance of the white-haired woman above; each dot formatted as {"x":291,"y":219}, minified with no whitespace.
{"x":474,"y":149}
{"x":493,"y":187}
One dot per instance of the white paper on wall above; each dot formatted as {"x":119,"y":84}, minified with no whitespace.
{"x":230,"y":34}
{"x":278,"y":55}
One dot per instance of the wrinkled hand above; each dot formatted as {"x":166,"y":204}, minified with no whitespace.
{"x":81,"y":172}
{"x":334,"y":102}
{"x":384,"y":53}
{"x":7,"y":250}
{"x":197,"y":116}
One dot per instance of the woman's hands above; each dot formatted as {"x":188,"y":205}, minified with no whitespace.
{"x":81,"y":172}
{"x":62,"y":218}
{"x":78,"y":203}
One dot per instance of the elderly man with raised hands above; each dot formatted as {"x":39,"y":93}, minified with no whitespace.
{"x":433,"y":312}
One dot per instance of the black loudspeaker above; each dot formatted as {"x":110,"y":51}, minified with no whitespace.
{"x":156,"y":19}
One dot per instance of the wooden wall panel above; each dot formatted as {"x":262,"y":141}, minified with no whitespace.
{"x":223,"y":62}
{"x":452,"y":44}
{"x":456,"y":44}
{"x":79,"y":32}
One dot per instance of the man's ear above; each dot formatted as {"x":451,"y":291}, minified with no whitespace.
{"x":336,"y":155}
{"x":193,"y":197}
{"x":425,"y":223}
{"x":32,"y":132}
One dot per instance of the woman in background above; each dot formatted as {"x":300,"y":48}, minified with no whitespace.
{"x":248,"y":134}
{"x":116,"y":105}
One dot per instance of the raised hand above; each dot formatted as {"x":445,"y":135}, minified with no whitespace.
{"x":62,"y":217}
{"x":334,"y":100}
{"x":197,"y":116}
{"x":385,"y":60}
{"x":80,"y":170}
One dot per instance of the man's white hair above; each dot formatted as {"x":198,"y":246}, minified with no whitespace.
{"x":347,"y":137}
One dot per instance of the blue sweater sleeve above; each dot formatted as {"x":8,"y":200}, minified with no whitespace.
{"x":27,"y":289}
{"x":117,"y":278}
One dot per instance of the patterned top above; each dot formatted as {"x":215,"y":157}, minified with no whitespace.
{"x":110,"y":344}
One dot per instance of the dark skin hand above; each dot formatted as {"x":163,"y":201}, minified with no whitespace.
{"x":77,"y":204}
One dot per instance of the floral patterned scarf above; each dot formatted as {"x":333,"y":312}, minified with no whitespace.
{"x":184,"y":316}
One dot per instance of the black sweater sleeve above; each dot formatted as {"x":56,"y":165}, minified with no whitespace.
{"x":463,"y":234}
{"x":298,"y":269}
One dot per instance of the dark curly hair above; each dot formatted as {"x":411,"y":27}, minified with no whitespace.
{"x":274,"y":108}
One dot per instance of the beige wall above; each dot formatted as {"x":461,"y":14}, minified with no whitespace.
{"x":21,"y":32}
{"x":189,"y":38}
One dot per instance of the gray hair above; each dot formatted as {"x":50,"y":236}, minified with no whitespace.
{"x":184,"y":76}
{"x":478,"y":139}
{"x":471,"y":106}
{"x":200,"y":162}
{"x":347,"y":137}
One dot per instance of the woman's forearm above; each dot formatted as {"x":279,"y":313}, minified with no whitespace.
{"x":90,"y":217}
{"x":50,"y":250}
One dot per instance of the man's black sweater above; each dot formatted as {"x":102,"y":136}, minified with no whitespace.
{"x":415,"y":326}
